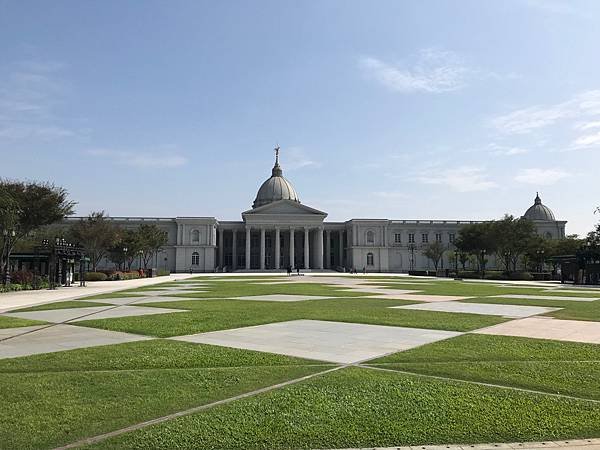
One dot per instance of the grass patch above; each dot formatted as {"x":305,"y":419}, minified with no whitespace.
{"x":48,"y":400}
{"x":213,"y":315}
{"x":550,"y":366}
{"x":367,"y":408}
{"x":15,"y":322}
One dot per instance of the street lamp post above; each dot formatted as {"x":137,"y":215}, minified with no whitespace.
{"x":125,"y":258}
{"x":540,"y":254}
{"x":8,"y":235}
{"x":411,"y":249}
{"x":483,"y":252}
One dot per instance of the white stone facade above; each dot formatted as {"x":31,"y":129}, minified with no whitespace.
{"x":282,"y":226}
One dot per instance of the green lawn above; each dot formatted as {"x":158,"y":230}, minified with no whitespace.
{"x":15,"y":322}
{"x":556,"y":367}
{"x":211,"y":315}
{"x":57,"y":398}
{"x":364,"y":408}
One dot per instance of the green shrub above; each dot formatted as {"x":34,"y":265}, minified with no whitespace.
{"x":95,"y":276}
{"x":163,"y":272}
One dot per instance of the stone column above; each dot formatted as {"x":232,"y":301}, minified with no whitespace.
{"x":262,"y":248}
{"x":277,"y":248}
{"x":341,"y":249}
{"x":327,"y":262}
{"x":234,"y":250}
{"x":320,"y":248}
{"x":248,"y":248}
{"x":221,"y":245}
{"x":306,"y":249}
{"x":292,"y":265}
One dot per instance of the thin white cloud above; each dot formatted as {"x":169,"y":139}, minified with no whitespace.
{"x":587,"y":125}
{"x":527,"y":120}
{"x":541,"y":177}
{"x":392,"y":195}
{"x":29,"y":93}
{"x":460,"y":179}
{"x":502,"y":150}
{"x":433,"y":71}
{"x":295,"y":158}
{"x":140,"y":159}
{"x":587,"y":141}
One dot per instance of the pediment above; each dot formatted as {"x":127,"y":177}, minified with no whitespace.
{"x":285,"y":207}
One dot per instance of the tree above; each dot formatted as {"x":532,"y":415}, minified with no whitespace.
{"x":96,"y":234}
{"x":151,"y":239}
{"x":434,"y":252}
{"x":24,"y":208}
{"x":513,"y":238}
{"x":126,"y":248}
{"x":477,"y":239}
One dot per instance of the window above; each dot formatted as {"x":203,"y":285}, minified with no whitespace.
{"x":438,"y":237}
{"x":369,"y":259}
{"x":451,"y":238}
{"x":411,"y":238}
{"x":424,"y":238}
{"x":195,"y":236}
{"x":370,"y":237}
{"x":397,"y":238}
{"x":195,"y":259}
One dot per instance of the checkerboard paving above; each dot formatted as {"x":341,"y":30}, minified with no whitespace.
{"x":335,"y":342}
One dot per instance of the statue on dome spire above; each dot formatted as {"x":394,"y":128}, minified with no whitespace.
{"x":277,"y":172}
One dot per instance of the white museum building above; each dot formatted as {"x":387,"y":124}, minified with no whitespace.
{"x":280,"y":232}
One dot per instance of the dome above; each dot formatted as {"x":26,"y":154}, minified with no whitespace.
{"x":538,"y":211}
{"x":275,"y":188}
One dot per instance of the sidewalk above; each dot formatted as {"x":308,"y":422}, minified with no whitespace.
{"x":23,"y":299}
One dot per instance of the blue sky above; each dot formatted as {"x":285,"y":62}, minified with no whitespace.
{"x":386,"y":109}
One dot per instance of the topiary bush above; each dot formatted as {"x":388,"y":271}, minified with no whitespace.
{"x":95,"y":276}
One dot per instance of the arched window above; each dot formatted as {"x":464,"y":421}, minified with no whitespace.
{"x":370,"y":237}
{"x":195,"y":259}
{"x":195,"y":236}
{"x":369,"y":259}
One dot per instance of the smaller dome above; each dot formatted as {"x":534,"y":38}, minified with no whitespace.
{"x":539,"y":211}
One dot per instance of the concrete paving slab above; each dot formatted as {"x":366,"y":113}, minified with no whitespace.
{"x":282,"y":298}
{"x":10,"y":332}
{"x":336,"y":342}
{"x":510,"y":311}
{"x":62,"y":337}
{"x":422,"y":297}
{"x":548,"y":297}
{"x":574,"y":291}
{"x":548,"y":328}
{"x":117,"y":300}
{"x":89,"y":313}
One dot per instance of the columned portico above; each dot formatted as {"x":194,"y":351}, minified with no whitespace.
{"x":221,"y":246}
{"x":306,"y":249}
{"x":319,"y":248}
{"x":327,"y":262}
{"x":292,"y":243}
{"x":277,"y":248}
{"x":341,"y":249}
{"x":262,"y":249}
{"x":248,"y":248}
{"x":234,"y":250}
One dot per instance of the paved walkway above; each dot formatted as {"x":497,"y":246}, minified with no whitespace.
{"x":23,"y":299}
{"x":575,"y":444}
